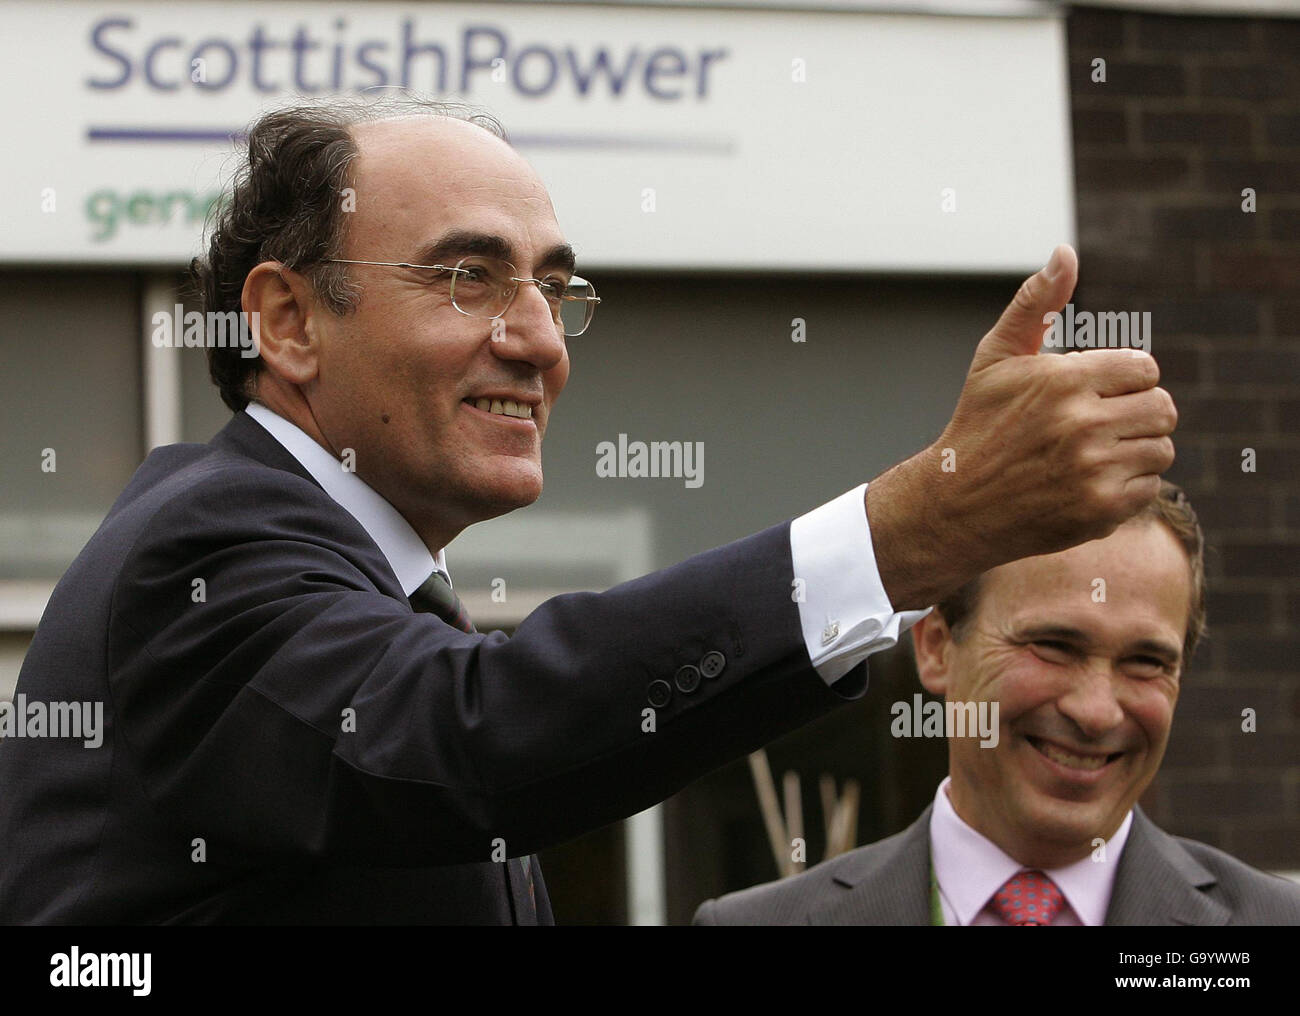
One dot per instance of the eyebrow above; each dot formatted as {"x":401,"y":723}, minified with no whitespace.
{"x":1064,"y":633}
{"x":464,"y":243}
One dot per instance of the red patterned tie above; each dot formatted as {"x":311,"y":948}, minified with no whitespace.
{"x":1028,"y":899}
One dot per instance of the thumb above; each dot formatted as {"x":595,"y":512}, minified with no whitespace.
{"x":1019,"y":331}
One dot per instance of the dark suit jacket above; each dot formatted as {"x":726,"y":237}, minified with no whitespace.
{"x":1160,"y":879}
{"x":225,"y":734}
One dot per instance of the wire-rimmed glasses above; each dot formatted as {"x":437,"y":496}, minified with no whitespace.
{"x":484,"y":287}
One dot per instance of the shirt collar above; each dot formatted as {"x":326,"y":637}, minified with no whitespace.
{"x":407,"y":555}
{"x":970,"y":868}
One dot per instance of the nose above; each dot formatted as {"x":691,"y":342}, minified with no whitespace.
{"x":1091,"y":701}
{"x":528,"y":330}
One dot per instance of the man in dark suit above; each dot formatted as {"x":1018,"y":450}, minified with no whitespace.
{"x":1081,"y":652}
{"x":301,"y":723}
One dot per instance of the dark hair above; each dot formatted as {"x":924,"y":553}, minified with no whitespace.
{"x":1171,"y":509}
{"x":286,"y":204}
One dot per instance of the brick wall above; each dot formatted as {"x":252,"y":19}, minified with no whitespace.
{"x":1192,"y":111}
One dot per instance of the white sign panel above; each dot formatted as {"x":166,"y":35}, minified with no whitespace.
{"x":669,"y":137}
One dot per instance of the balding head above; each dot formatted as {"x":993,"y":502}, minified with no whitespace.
{"x":371,"y":339}
{"x":290,"y":200}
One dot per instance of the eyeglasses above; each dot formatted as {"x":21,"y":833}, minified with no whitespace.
{"x":484,"y":287}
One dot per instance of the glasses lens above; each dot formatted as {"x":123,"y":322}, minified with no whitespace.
{"x":578,"y":306}
{"x":481,"y":287}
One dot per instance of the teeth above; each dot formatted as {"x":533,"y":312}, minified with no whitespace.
{"x":505,"y":407}
{"x":1068,"y":759}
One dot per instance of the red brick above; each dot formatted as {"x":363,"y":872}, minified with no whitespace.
{"x":1132,"y":172}
{"x":1222,"y":416}
{"x":1230,"y":798}
{"x":1229,"y":315}
{"x":1282,"y":129}
{"x":1191,"y":748}
{"x":1099,"y":127}
{"x":1225,"y":609}
{"x":1191,"y":462}
{"x":1280,"y":36}
{"x":1266,"y":748}
{"x":1266,"y":176}
{"x":1085,"y":29}
{"x":1119,"y":269}
{"x":1275,"y":465}
{"x":1218,"y":130}
{"x":1223,"y":222}
{"x":1179,"y":365}
{"x":1284,"y":224}
{"x":1265,"y":653}
{"x":1220,"y":707}
{"x":1248,"y":81}
{"x":1269,"y":844}
{"x":1291,"y":520}
{"x":1229,"y":512}
{"x":1286,"y":316}
{"x":1255,"y":365}
{"x":1254,"y":271}
{"x":1191,"y":35}
{"x":1129,"y":78}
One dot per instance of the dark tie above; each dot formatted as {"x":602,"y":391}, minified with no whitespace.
{"x":435,"y":596}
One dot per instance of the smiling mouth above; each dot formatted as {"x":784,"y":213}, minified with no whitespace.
{"x":502,"y":407}
{"x":1069,"y":759}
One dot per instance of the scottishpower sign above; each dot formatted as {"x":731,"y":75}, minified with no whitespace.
{"x":467,"y":59}
{"x":669,"y":137}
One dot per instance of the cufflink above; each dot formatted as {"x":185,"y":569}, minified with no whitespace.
{"x":830,"y":633}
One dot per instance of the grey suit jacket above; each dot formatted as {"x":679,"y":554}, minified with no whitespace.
{"x":1161,"y":880}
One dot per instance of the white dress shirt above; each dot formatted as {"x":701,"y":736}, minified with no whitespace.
{"x":844,"y":611}
{"x":970,"y":868}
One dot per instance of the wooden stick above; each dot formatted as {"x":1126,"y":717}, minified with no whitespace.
{"x":794,"y":818}
{"x":848,"y":831}
{"x":766,"y":790}
{"x":830,"y":801}
{"x":833,"y":838}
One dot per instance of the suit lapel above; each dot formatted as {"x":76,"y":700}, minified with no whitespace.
{"x":543,"y":899}
{"x":888,"y":883}
{"x":245,"y":436}
{"x":1158,"y":882}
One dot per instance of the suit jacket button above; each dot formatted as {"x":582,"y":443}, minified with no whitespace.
{"x":687,"y":678}
{"x":658,"y":693}
{"x":713,"y":664}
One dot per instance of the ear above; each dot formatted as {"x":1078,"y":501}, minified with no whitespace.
{"x":279,"y":303}
{"x":933,"y":643}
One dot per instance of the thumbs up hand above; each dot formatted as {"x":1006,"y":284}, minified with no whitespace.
{"x":1043,"y":452}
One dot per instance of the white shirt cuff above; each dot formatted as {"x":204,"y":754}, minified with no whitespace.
{"x":843,"y":608}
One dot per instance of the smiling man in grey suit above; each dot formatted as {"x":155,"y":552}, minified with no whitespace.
{"x":1081,"y":652}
